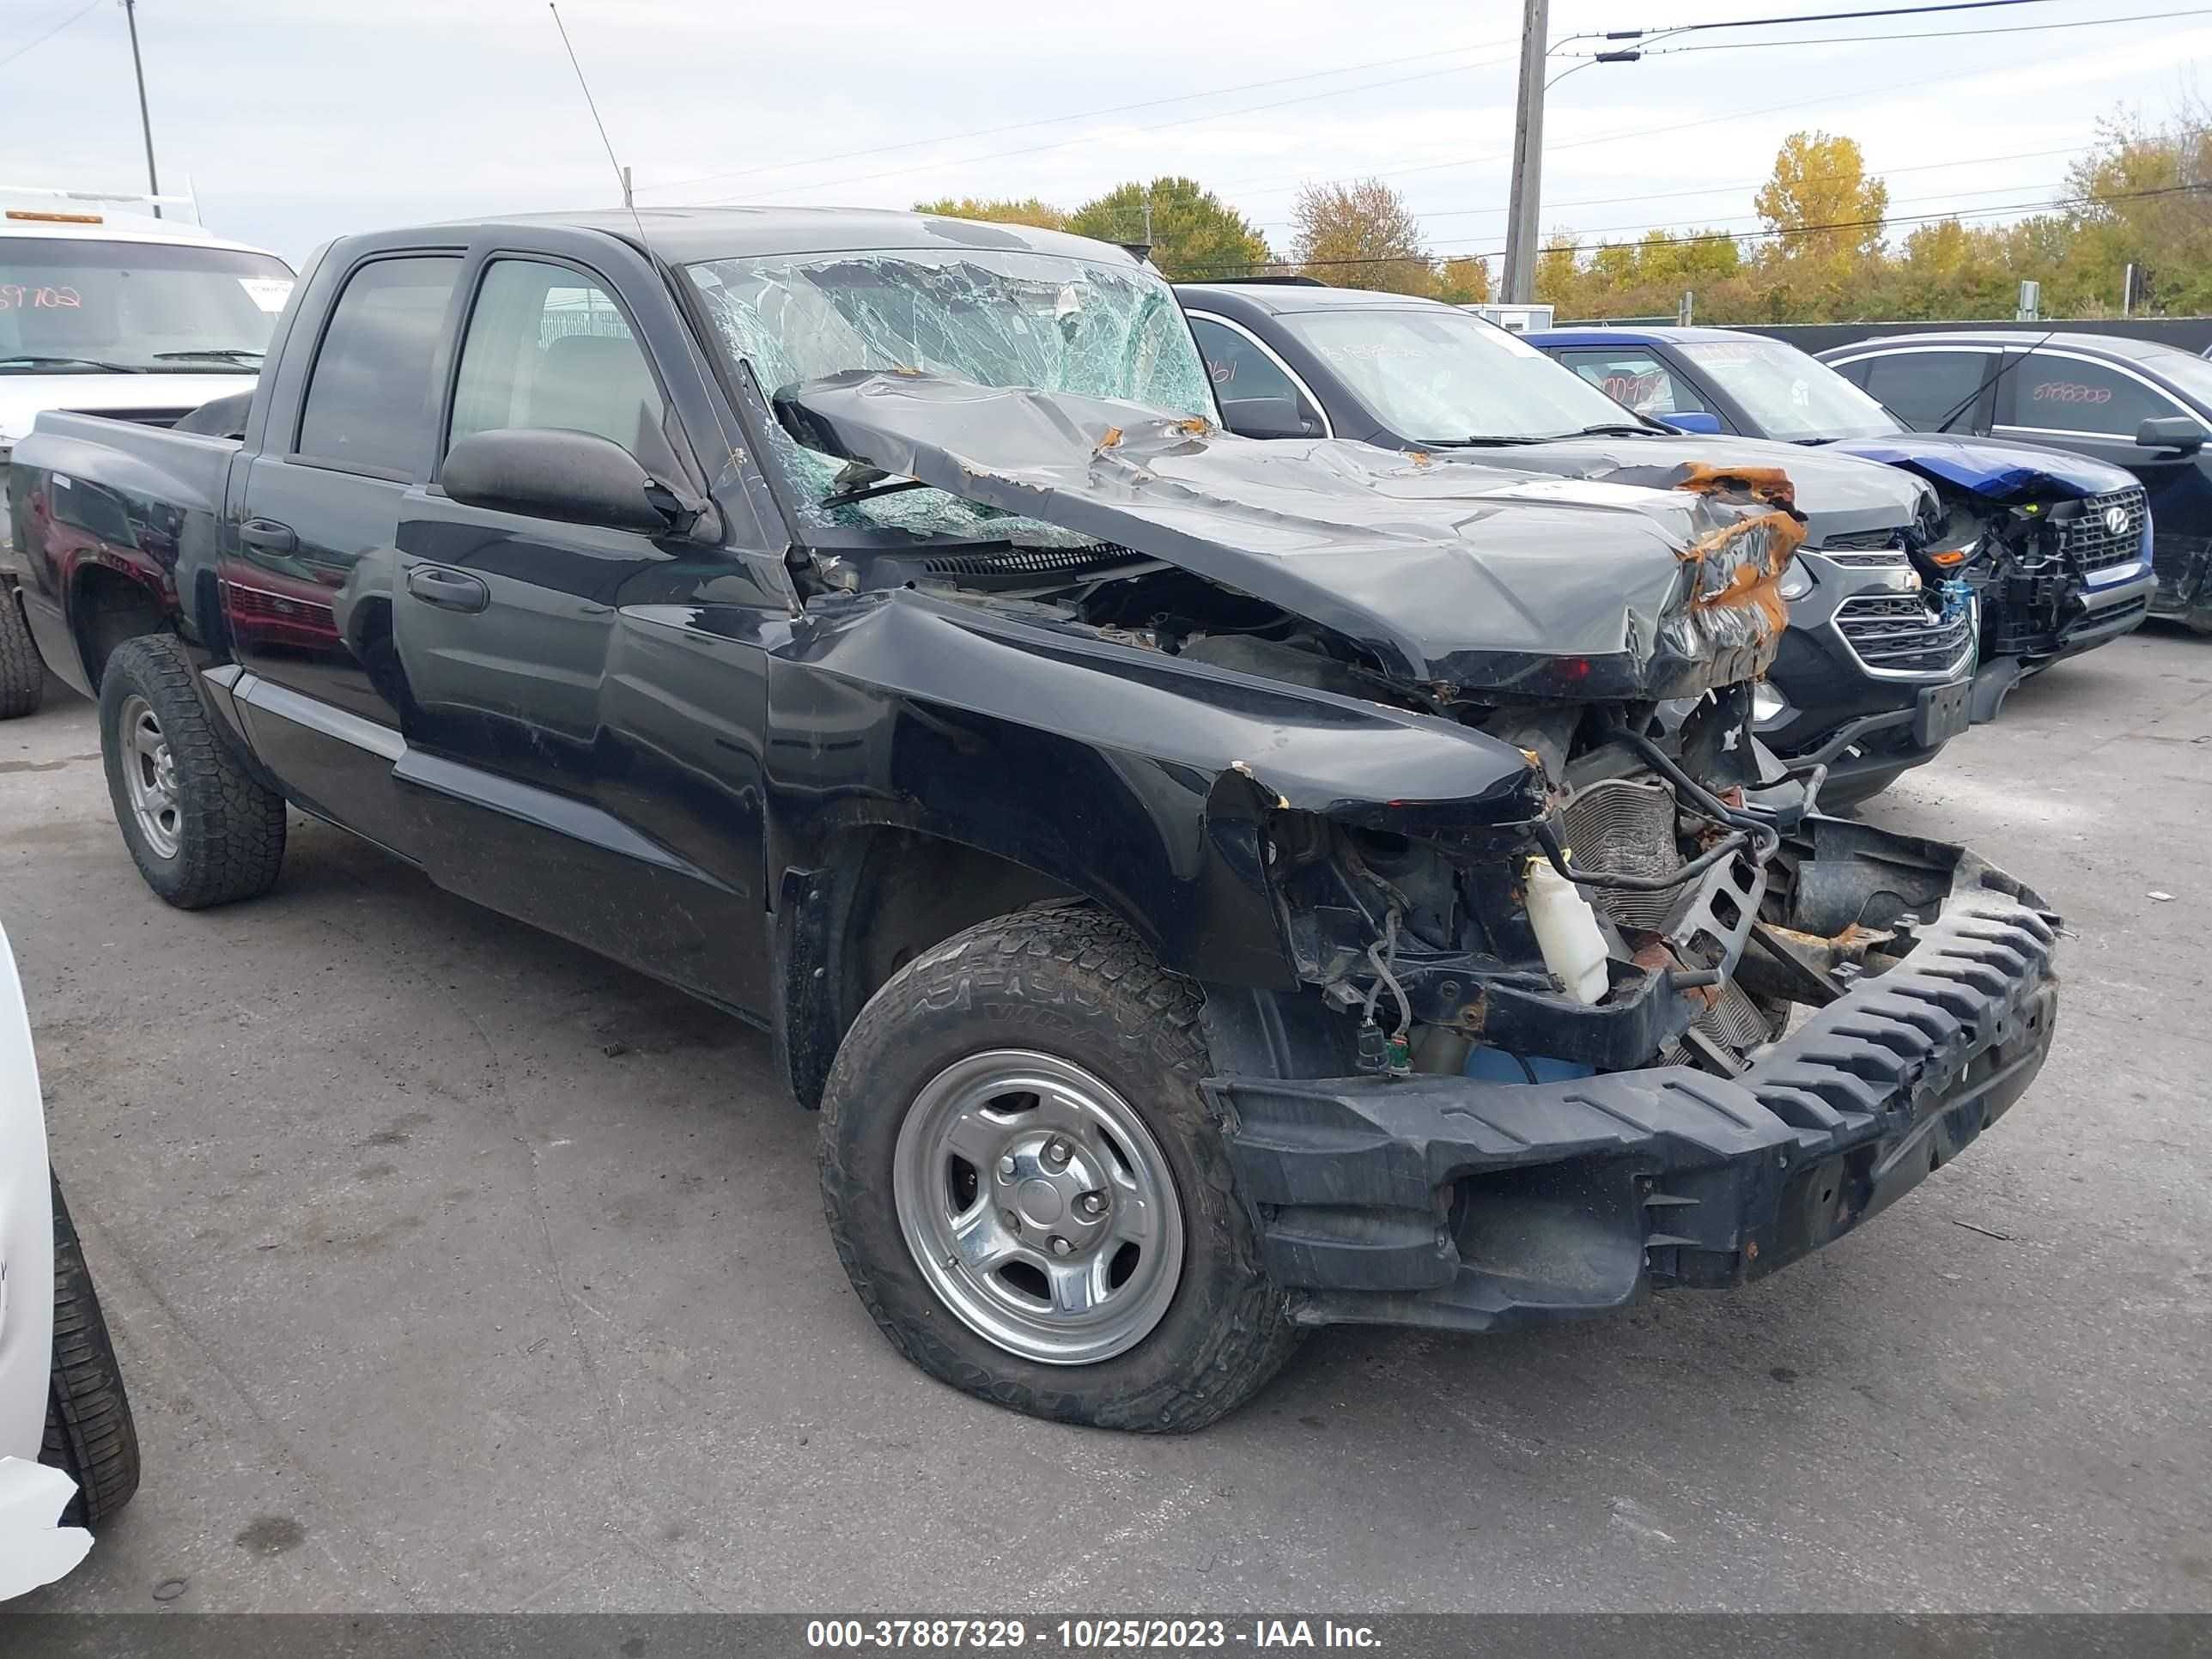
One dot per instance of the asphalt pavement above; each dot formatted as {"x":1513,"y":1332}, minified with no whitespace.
{"x":452,"y":1268}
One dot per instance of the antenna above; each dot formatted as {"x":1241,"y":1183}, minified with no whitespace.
{"x":621,"y":172}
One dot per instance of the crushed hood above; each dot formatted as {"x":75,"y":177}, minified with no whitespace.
{"x":2005,"y":474}
{"x":1480,"y":578}
{"x":1838,"y":495}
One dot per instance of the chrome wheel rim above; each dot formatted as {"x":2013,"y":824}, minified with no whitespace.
{"x":150,"y":774}
{"x":1038,"y":1206}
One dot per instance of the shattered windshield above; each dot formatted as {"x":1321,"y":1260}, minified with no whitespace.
{"x":1439,"y":376}
{"x":1790,"y":396}
{"x":999,"y":317}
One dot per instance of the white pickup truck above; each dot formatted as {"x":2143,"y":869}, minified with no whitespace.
{"x":118,"y":313}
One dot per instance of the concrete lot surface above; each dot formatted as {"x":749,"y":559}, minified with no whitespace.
{"x":454,"y":1268}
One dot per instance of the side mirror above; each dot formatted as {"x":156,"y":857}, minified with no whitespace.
{"x":544,"y":473}
{"x":1267,"y":417}
{"x":2172,"y":432}
{"x":1699,"y":421}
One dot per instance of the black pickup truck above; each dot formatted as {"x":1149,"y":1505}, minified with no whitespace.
{"x":1212,"y":888}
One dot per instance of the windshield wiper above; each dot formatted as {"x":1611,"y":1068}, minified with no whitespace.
{"x":1607,"y":430}
{"x":36,"y":361}
{"x":1478,"y":441}
{"x":218,"y":354}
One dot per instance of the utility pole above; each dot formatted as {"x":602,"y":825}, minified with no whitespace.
{"x":626,"y":200}
{"x":145,"y":121}
{"x":1520,"y":284}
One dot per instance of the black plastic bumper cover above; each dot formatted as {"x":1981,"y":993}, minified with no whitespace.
{"x":1446,"y":1202}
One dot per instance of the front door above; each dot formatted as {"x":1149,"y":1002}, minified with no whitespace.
{"x":507,"y":630}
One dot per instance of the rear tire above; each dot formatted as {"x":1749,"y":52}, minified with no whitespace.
{"x":89,"y":1434}
{"x":1073,"y":994}
{"x":202,"y":829}
{"x":22,"y":676}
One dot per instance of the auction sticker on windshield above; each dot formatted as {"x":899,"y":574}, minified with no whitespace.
{"x":270,"y":292}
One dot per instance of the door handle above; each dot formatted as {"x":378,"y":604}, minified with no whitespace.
{"x":267,"y":536}
{"x":448,"y":590}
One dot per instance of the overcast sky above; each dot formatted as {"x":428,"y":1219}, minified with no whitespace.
{"x":299,"y":120}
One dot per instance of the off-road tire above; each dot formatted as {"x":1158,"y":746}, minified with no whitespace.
{"x":89,"y":1434}
{"x":22,"y":676}
{"x":1070,"y":980}
{"x":231,"y":841}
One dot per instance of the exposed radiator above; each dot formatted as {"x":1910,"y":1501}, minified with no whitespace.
{"x":1626,"y":827}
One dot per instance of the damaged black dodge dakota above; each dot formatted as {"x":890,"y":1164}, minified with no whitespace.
{"x":1212,"y":888}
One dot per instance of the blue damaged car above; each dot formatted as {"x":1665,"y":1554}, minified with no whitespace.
{"x":2056,"y":547}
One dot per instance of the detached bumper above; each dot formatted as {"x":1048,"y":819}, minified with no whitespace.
{"x":1446,"y":1202}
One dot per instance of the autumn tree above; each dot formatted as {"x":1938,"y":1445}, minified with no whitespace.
{"x":1361,"y":235}
{"x":1825,"y":213}
{"x":1465,"y":282}
{"x":1028,"y":210}
{"x":1194,"y":233}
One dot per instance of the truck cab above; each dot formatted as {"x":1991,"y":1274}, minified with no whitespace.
{"x":106,"y":309}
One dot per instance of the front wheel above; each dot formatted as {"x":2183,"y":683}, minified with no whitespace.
{"x":1027,"y":1189}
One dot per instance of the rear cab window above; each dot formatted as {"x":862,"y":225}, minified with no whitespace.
{"x":368,"y":401}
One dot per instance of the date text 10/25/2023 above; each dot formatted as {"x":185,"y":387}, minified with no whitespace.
{"x":1087,"y":1635}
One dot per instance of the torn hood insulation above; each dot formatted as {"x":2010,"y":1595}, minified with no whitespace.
{"x":2002,"y":473}
{"x":1838,"y":494}
{"x":1475,"y":578}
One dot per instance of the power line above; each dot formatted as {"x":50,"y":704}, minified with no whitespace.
{"x":1923,"y":34}
{"x":1579,"y":248}
{"x":82,"y":11}
{"x":1081,"y":138}
{"x":1856,"y":94}
{"x":1804,"y":17}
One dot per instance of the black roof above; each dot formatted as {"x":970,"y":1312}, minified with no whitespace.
{"x":2108,"y":346}
{"x":687,"y":235}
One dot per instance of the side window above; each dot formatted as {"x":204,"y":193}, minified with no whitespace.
{"x":369,"y":393}
{"x":1240,"y":370}
{"x":1923,"y":387}
{"x":548,"y":347}
{"x":2065,"y":394}
{"x":1638,"y":379}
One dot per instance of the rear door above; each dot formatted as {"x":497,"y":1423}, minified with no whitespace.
{"x":521,"y":673}
{"x":307,"y":573}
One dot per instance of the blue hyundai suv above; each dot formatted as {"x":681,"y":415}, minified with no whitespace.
{"x":2056,"y":547}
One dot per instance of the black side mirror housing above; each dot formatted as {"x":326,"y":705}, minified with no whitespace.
{"x":578,"y":477}
{"x":1267,"y":417}
{"x":2172,"y":432}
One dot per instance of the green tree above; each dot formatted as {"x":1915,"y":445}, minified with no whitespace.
{"x":1362,"y":235}
{"x":1027,"y":212}
{"x":1194,"y":234}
